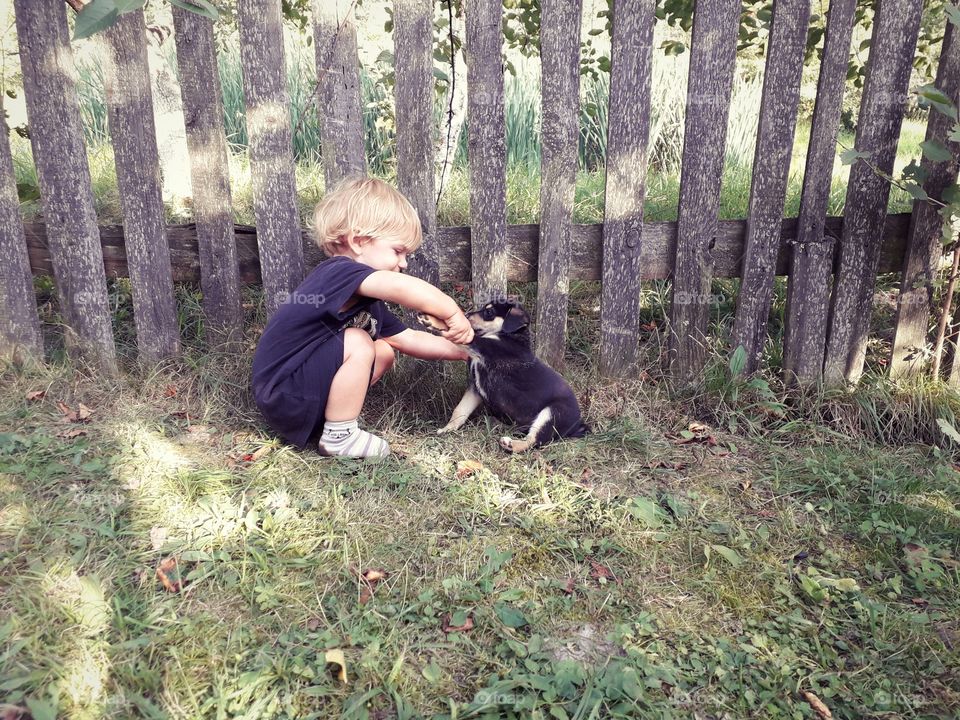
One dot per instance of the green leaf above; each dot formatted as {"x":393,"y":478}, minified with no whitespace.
{"x":848,"y":157}
{"x":200,"y":7}
{"x":953,"y":14}
{"x":510,"y":616}
{"x":916,"y":192}
{"x":459,"y":618}
{"x":738,"y":360}
{"x":646,"y":511}
{"x":432,"y":673}
{"x":125,"y":6}
{"x":948,"y":429}
{"x":951,"y":194}
{"x":939,"y":100}
{"x":41,"y":709}
{"x":935,"y":151}
{"x":728,"y":554}
{"x":97,"y":16}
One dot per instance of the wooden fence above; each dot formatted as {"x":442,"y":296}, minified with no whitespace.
{"x":832,"y":263}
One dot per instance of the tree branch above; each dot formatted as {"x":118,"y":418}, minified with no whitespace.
{"x":77,"y":5}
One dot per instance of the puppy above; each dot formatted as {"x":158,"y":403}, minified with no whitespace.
{"x":515,"y":385}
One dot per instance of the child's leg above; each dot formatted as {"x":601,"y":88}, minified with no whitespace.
{"x":385,"y":358}
{"x":341,"y":436}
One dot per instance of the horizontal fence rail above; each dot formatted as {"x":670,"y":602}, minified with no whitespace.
{"x":522,"y":242}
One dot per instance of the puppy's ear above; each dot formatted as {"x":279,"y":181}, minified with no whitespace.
{"x":515,"y":319}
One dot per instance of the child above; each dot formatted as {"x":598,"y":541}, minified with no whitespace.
{"x":333,"y":336}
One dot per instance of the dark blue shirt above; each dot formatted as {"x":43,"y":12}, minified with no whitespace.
{"x":301,"y":348}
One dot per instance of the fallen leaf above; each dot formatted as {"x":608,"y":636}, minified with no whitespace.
{"x":744,"y":484}
{"x":335,"y":657}
{"x":169,"y":574}
{"x":83,"y":412}
{"x":372,"y":575}
{"x":666,"y":465}
{"x":262,"y":452}
{"x":568,"y":588}
{"x":171,"y":391}
{"x":36,"y":395}
{"x":466,"y":468}
{"x":313,"y":624}
{"x":920,"y":602}
{"x":585,"y":476}
{"x":817,"y":704}
{"x":71,"y":434}
{"x":13,"y":712}
{"x":365,"y":595}
{"x":766,"y":513}
{"x":448,"y":628}
{"x":648,"y":327}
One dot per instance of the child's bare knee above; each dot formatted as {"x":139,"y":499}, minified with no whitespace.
{"x":358,"y":345}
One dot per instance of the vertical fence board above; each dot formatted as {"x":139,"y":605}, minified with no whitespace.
{"x":808,"y":287}
{"x":134,"y":139}
{"x":271,"y":151}
{"x":64,"y":175}
{"x":924,"y":246}
{"x":338,"y":75}
{"x":486,"y":150}
{"x":771,"y":167}
{"x":560,"y":117}
{"x":413,"y":52}
{"x":210,"y":177}
{"x":712,"y":60}
{"x":627,"y":134}
{"x":878,"y":128}
{"x":20,"y":337}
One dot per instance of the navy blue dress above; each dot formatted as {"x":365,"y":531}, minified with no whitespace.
{"x":301,"y":348}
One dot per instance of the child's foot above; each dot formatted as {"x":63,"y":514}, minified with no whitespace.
{"x":345,"y":439}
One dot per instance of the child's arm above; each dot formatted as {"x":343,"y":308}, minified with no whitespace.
{"x":423,"y":345}
{"x":417,"y":294}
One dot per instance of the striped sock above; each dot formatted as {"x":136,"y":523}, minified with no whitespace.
{"x":346,"y":439}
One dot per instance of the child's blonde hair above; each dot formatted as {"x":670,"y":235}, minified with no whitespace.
{"x":364,"y":207}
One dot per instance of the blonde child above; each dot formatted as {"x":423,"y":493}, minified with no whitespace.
{"x":333,"y":336}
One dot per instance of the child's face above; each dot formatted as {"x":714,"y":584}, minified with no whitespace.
{"x":383,"y":254}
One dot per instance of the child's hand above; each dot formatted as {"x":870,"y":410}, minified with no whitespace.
{"x":458,"y":329}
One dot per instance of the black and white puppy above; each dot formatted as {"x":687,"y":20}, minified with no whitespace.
{"x":514,"y":384}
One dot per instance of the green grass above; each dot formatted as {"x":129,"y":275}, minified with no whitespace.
{"x":811,"y":545}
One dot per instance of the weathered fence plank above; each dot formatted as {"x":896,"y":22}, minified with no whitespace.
{"x":271,"y":152}
{"x":57,"y":138}
{"x":486,"y":149}
{"x":560,"y":117}
{"x":771,"y":167}
{"x":134,"y":139}
{"x":656,"y":261}
{"x":808,"y":291}
{"x":924,"y":245}
{"x":710,"y":80}
{"x":627,"y":134}
{"x":210,"y":177}
{"x":413,"y":43}
{"x":878,"y":128}
{"x":20,"y":337}
{"x":338,"y":76}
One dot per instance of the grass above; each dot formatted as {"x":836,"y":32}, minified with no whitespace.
{"x":718,"y":551}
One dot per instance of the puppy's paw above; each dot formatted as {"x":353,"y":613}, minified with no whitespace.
{"x":444,"y":430}
{"x":506,"y":443}
{"x":431,"y":324}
